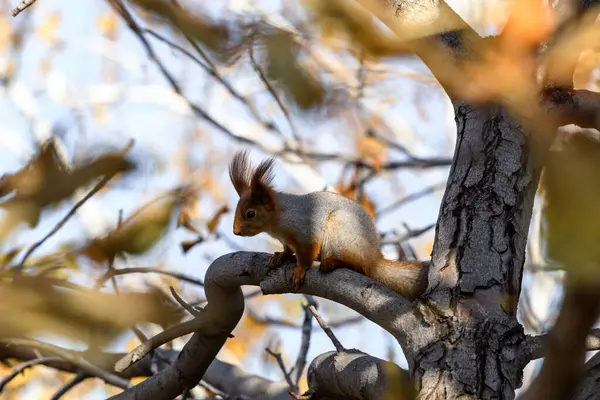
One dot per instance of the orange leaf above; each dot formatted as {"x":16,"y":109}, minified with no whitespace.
{"x":212,"y":224}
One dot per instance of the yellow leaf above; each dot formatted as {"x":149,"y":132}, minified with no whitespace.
{"x":107,"y":23}
{"x":6,"y":32}
{"x":48,"y":29}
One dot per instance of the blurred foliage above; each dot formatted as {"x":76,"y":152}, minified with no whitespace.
{"x":33,"y":305}
{"x":137,"y":234}
{"x":572,"y":189}
{"x":45,"y":181}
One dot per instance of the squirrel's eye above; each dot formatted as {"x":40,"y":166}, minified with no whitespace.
{"x":250,"y":214}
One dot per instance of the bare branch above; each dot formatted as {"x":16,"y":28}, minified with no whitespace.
{"x":304,"y":345}
{"x":223,"y":376}
{"x":336,"y":343}
{"x":410,"y":198}
{"x":22,"y":7}
{"x":286,"y":374}
{"x":566,"y":342}
{"x":77,"y":379}
{"x":28,"y":364}
{"x":533,"y":346}
{"x":183,"y":304}
{"x":73,"y":358}
{"x":579,"y":107}
{"x":149,"y":270}
{"x":281,"y":323}
{"x":272,"y":91}
{"x":69,"y":214}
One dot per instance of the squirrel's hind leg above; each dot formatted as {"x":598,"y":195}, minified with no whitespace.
{"x":281,"y":257}
{"x":329,"y":264}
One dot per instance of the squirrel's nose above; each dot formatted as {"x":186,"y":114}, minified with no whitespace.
{"x":237,"y":232}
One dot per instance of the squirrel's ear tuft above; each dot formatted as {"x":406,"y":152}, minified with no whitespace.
{"x":240,"y":171}
{"x":260,"y":183}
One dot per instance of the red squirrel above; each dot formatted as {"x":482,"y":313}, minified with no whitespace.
{"x":322,"y":226}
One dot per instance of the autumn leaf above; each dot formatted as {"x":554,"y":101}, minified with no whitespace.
{"x":212,"y":35}
{"x":45,"y":181}
{"x":285,"y":70}
{"x":372,"y":150}
{"x":107,"y":23}
{"x":214,"y":221}
{"x":33,"y":306}
{"x":572,"y":190}
{"x":139,"y":232}
{"x":188,"y":212}
{"x":48,"y":29}
{"x":187,"y":245}
{"x":359,"y":26}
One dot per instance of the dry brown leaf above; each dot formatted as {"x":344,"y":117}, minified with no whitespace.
{"x":283,"y":68}
{"x":372,"y":150}
{"x":142,"y":230}
{"x":214,"y":221}
{"x":187,"y":245}
{"x":188,"y":212}
{"x":214,"y":36}
{"x":359,"y":25}
{"x":46,"y":181}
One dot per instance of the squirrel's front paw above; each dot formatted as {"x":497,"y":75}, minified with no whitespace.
{"x":279,"y":258}
{"x":298,"y":277}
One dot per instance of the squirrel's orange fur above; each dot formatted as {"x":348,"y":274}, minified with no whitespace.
{"x":320,"y":226}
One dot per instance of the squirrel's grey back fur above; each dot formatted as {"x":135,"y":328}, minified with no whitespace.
{"x":324,"y":215}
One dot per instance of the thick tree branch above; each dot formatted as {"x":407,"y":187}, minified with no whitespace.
{"x":566,"y":342}
{"x":532,"y":347}
{"x":579,"y":107}
{"x":225,"y":306}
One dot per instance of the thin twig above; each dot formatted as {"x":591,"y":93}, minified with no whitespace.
{"x":336,"y":343}
{"x":150,"y":270}
{"x":414,"y":162}
{"x":69,"y":214}
{"x":410,"y":198}
{"x":304,"y":346}
{"x":281,"y":364}
{"x":273,"y":92}
{"x":81,"y":363}
{"x":22,"y":7}
{"x":22,"y":367}
{"x":182,"y":303}
{"x":77,"y":379}
{"x":410,"y":234}
{"x":281,"y":323}
{"x":211,"y":69}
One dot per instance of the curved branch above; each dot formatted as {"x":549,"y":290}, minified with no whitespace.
{"x":225,"y":307}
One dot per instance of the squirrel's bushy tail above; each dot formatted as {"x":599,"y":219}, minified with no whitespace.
{"x":407,"y":278}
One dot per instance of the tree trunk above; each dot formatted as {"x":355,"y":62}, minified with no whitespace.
{"x":469,"y":310}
